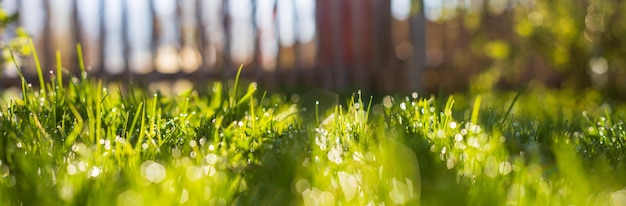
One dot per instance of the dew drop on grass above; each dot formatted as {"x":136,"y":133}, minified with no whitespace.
{"x":453,"y":125}
{"x":357,"y":156}
{"x":152,"y":171}
{"x":473,"y":141}
{"x":302,"y":185}
{"x":184,"y":196}
{"x":403,"y":106}
{"x":388,"y":101}
{"x":82,"y":166}
{"x":66,"y":192}
{"x":400,"y":193}
{"x":129,"y":198}
{"x":349,"y":184}
{"x":211,"y":159}
{"x":505,"y":168}
{"x":107,"y":144}
{"x":433,"y":148}
{"x":71,"y":169}
{"x":209,"y":170}
{"x":95,"y":171}
{"x":450,"y":164}
{"x":458,"y":137}
{"x":440,"y":134}
{"x":176,"y":153}
{"x":194,"y":173}
{"x":516,"y":192}
{"x":192,"y":143}
{"x":4,"y":171}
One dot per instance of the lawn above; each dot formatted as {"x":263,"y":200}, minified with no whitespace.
{"x":82,"y":141}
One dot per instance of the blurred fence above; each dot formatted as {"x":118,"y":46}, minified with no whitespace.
{"x":380,"y":46}
{"x":281,"y":43}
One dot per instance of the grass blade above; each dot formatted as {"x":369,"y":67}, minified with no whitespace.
{"x":39,"y":70}
{"x":508,"y":111}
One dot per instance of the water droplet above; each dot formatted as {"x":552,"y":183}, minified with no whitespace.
{"x":71,"y":169}
{"x":176,"y":153}
{"x":516,"y":192}
{"x":194,"y":173}
{"x":4,"y":171}
{"x":82,"y":166}
{"x":473,"y":141}
{"x":400,"y":193}
{"x":66,"y":192}
{"x":388,"y":101}
{"x":450,"y":163}
{"x":211,"y":158}
{"x":505,"y":168}
{"x":130,"y":197}
{"x":335,"y":154}
{"x":453,"y":125}
{"x":458,"y":137}
{"x":184,"y":196}
{"x":403,"y":106}
{"x":94,"y":171}
{"x":349,"y":184}
{"x":152,"y":171}
{"x":440,"y":134}
{"x":302,"y":185}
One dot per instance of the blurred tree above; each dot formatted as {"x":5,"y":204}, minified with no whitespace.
{"x":566,"y":44}
{"x":16,"y":44}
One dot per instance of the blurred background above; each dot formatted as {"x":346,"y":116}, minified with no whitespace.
{"x":379,"y":46}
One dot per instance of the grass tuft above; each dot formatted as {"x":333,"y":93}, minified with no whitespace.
{"x":92,"y":142}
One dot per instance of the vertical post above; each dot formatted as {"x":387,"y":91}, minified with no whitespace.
{"x":418,"y":40}
{"x":254,"y":64}
{"x":78,"y":38}
{"x":382,"y":51}
{"x":325,"y":51}
{"x":359,"y":19}
{"x":125,"y":40}
{"x":337,"y":24}
{"x":295,"y":64}
{"x":102,"y":40}
{"x":226,"y":62}
{"x":48,"y":38}
{"x":201,"y":45}
{"x":154,"y":36}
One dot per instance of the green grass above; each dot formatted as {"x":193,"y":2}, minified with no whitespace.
{"x":94,"y":143}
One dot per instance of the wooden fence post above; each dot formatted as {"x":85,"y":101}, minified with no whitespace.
{"x":418,"y":39}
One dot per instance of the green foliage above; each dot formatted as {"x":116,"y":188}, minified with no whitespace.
{"x":94,"y":143}
{"x":17,"y":44}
